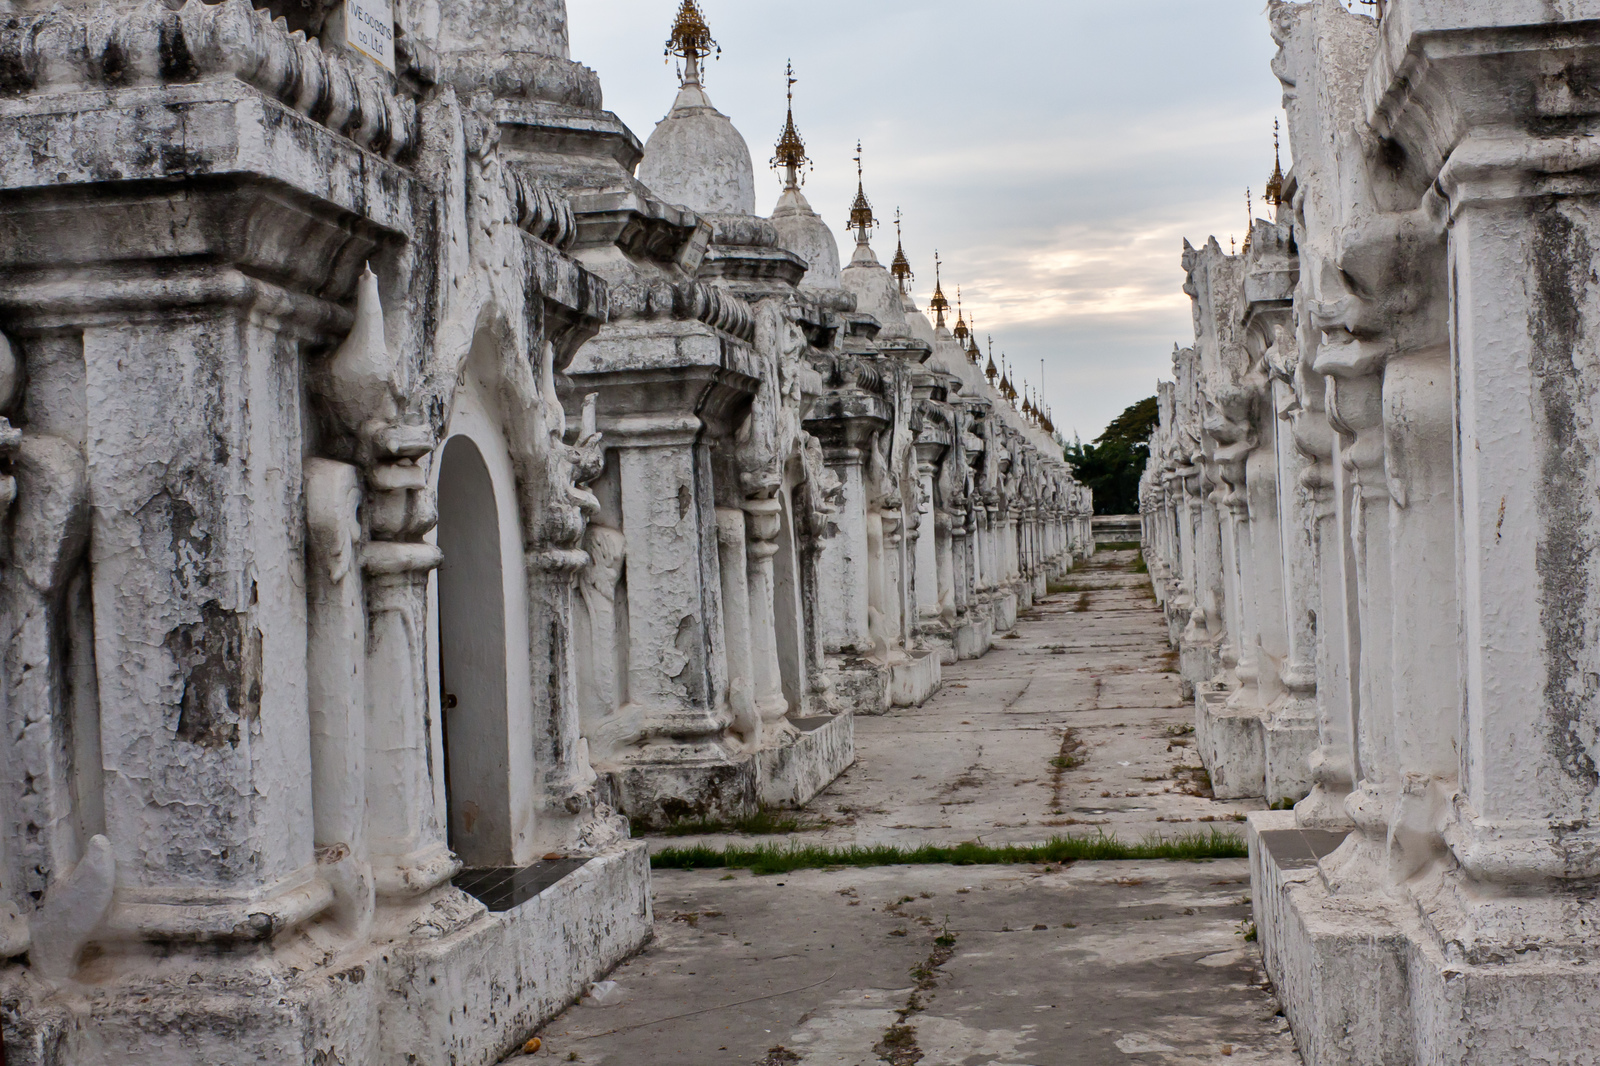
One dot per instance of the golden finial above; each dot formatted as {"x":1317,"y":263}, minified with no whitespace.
{"x":861,"y":220}
{"x":939,"y":305}
{"x":691,"y":41}
{"x":990,"y":372}
{"x":973,"y":354}
{"x":1274,"y":195}
{"x":960,"y":332}
{"x":1249,"y":219}
{"x":791,"y":149}
{"x":901,"y":268}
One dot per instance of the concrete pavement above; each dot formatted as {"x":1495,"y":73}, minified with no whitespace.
{"x":1074,"y":726}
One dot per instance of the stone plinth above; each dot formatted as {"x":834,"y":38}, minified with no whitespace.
{"x":911,"y":682}
{"x":454,"y":982}
{"x":791,"y":776}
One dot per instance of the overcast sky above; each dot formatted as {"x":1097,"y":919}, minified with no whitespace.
{"x":1055,"y":152}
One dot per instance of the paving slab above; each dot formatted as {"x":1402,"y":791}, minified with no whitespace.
{"x":1096,"y":688}
{"x":1076,"y":726}
{"x":1089,"y":964}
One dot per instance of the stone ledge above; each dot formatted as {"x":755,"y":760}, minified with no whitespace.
{"x":793,"y":775}
{"x":1232,"y":745}
{"x":657,"y":794}
{"x":913,"y":682}
{"x":972,"y":640}
{"x":458,"y":987}
{"x":1365,"y":982}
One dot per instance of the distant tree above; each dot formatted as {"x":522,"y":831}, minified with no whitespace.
{"x":1113,"y":464}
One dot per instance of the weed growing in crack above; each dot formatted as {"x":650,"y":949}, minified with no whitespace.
{"x":762,"y":823}
{"x":1073,"y":754}
{"x":1082,"y":606}
{"x":768,"y":859}
{"x":899,"y":1046}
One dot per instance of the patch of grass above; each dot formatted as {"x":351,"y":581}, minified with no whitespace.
{"x":1120,"y":546}
{"x":1082,"y":606}
{"x":767,"y":859}
{"x":1140,"y":566}
{"x":1283,"y":805}
{"x":762,"y":823}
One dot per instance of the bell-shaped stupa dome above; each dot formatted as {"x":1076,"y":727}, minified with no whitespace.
{"x":695,"y":158}
{"x":876,"y":292}
{"x":800,"y":229}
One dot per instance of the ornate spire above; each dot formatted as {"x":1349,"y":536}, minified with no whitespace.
{"x":990,"y":372}
{"x":938,"y":305}
{"x":791,"y":154}
{"x":901,"y":268}
{"x":691,"y":41}
{"x":861,"y":219}
{"x":1249,"y":219}
{"x":973,"y":354}
{"x":1274,"y":195}
{"x":961,"y":333}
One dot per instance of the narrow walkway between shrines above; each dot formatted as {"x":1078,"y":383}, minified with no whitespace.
{"x":1072,"y":725}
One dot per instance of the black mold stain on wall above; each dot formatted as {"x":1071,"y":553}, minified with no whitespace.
{"x":1562,"y":270}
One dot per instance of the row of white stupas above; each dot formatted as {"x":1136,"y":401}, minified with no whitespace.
{"x":401,"y":494}
{"x":1369,"y":515}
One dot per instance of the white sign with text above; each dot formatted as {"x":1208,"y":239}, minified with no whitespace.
{"x":369,"y":29}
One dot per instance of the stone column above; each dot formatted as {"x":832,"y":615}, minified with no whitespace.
{"x":1393,"y":322}
{"x":764,"y":522}
{"x":199,"y":600}
{"x":1355,"y":408}
{"x":1294,"y":727}
{"x":601,"y":672}
{"x":845,"y":424}
{"x":736,"y":626}
{"x":1315,"y":574}
{"x":895,"y":630}
{"x":931,"y":589}
{"x":1523,"y":243}
{"x":674,"y":587}
{"x":948,"y":531}
{"x":410,"y":853}
{"x":336,"y":652}
{"x":1227,"y":504}
{"x":1210,"y":590}
{"x":49,"y":705}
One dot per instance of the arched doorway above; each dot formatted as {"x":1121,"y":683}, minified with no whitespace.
{"x":472,"y":660}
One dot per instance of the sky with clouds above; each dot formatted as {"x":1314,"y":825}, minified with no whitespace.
{"x":1055,"y":153}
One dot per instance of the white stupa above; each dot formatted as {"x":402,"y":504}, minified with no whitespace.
{"x":695,"y":158}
